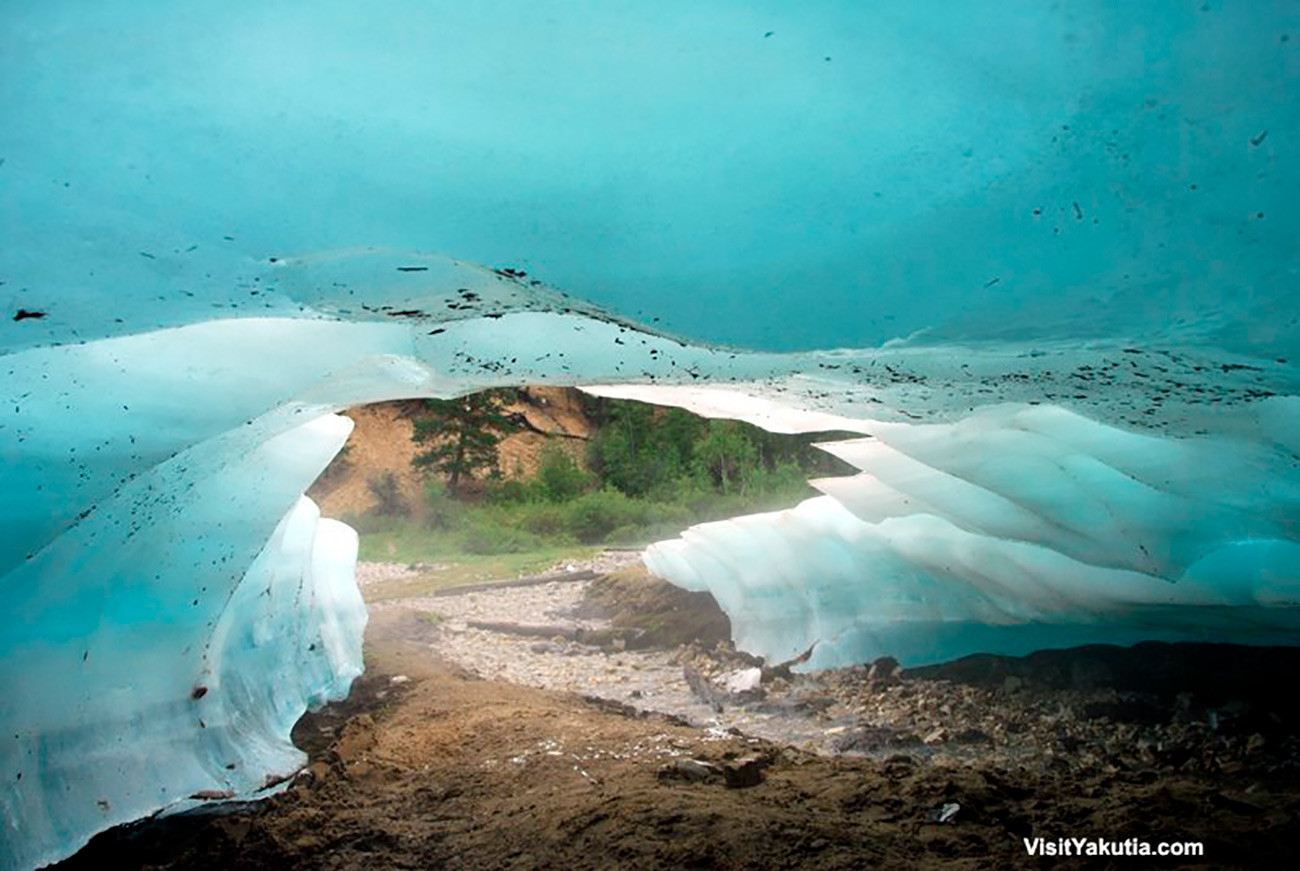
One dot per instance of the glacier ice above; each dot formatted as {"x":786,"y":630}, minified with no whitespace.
{"x":988,"y":534}
{"x":1046,"y":255}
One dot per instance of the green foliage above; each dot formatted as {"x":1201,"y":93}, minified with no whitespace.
{"x":653,"y":472}
{"x":389,"y":501}
{"x":726,"y":455}
{"x":461,"y":434}
{"x":510,"y":491}
{"x":595,"y":515}
{"x":641,"y":447}
{"x":545,"y":519}
{"x":559,"y":478}
{"x":485,"y":536}
{"x":440,"y":510}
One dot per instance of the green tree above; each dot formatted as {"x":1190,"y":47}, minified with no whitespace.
{"x":559,"y":478}
{"x":726,"y":454}
{"x":462,"y":434}
{"x":641,"y":448}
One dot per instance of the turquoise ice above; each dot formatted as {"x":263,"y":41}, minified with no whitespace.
{"x":1043,"y":258}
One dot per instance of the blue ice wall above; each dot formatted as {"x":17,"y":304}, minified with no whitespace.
{"x":973,"y":169}
{"x":1048,"y":254}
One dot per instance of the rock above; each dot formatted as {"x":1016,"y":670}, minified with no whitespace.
{"x":696,"y":770}
{"x":972,"y":736}
{"x":702,"y":688}
{"x":235,"y":829}
{"x":867,"y":739}
{"x":1255,"y":744}
{"x":1057,"y":764}
{"x":744,"y":680}
{"x":744,"y":772}
{"x":885,"y":671}
{"x":947,"y":813}
{"x":938,"y":736}
{"x":1226,"y":802}
{"x":398,"y":679}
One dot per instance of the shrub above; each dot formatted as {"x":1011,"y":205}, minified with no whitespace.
{"x":440,"y":510}
{"x":661,"y":514}
{"x":486,"y":537}
{"x":559,"y":478}
{"x":389,"y":501}
{"x":593,"y":516}
{"x":543,"y":518}
{"x":507,"y":492}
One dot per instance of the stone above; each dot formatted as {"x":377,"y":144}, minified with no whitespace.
{"x":937,"y":736}
{"x":696,"y":770}
{"x":744,"y":772}
{"x":947,"y":813}
{"x":884,"y":671}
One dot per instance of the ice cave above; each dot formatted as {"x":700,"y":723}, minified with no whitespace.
{"x":1043,"y":258}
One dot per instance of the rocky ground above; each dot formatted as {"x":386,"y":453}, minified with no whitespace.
{"x":596,"y":719}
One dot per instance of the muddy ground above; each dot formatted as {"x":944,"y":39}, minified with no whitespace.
{"x":430,"y":765}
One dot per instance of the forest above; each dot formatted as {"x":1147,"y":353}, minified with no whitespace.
{"x":645,"y":473}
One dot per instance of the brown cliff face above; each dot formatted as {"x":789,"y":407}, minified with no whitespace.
{"x":381,"y":444}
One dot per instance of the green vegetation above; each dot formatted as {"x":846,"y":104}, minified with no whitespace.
{"x":441,"y":559}
{"x":462,"y":434}
{"x":649,"y":473}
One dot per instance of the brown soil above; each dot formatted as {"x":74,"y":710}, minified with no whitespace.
{"x":381,"y":444}
{"x":446,"y":770}
{"x":660,"y":614}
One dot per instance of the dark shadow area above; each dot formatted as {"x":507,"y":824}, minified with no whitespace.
{"x":1240,"y":690}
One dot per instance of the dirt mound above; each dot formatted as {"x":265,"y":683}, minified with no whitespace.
{"x":381,"y":445}
{"x":662,"y":615}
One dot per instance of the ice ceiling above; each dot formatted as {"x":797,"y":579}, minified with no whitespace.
{"x":1043,"y":257}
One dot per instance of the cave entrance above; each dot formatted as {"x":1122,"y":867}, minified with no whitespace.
{"x":505,"y":529}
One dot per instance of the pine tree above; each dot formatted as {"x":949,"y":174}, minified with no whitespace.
{"x":462,"y":434}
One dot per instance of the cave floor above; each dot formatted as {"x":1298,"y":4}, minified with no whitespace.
{"x":429,"y":765}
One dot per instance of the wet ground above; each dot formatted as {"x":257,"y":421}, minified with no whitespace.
{"x":598,"y":722}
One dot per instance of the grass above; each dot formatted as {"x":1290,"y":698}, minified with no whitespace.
{"x":468,"y":543}
{"x":445,"y":564}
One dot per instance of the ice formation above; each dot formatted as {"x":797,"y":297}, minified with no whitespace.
{"x":1048,"y":254}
